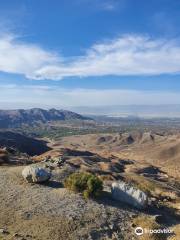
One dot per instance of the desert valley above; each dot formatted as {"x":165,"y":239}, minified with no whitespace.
{"x":140,"y":155}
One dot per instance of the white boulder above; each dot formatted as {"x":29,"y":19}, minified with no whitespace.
{"x":34,"y":174}
{"x":127,"y":193}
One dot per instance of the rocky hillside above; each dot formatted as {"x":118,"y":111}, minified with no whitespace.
{"x":160,"y":150}
{"x":15,"y":118}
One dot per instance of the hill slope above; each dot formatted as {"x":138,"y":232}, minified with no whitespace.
{"x":22,"y":143}
{"x":160,"y":150}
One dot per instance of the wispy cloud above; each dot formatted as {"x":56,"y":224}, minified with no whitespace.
{"x":126,"y":55}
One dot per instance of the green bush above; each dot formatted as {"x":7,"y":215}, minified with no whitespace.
{"x":88,"y":184}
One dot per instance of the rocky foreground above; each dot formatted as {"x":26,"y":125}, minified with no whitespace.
{"x":52,"y":212}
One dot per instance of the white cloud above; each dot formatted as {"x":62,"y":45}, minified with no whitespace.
{"x":126,"y":55}
{"x":22,"y":58}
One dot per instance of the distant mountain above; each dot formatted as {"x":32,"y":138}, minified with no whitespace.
{"x":22,"y":143}
{"x":15,"y":118}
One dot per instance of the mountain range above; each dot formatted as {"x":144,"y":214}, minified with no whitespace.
{"x":16,"y":118}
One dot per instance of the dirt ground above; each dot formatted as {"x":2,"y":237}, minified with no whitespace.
{"x":44,"y":212}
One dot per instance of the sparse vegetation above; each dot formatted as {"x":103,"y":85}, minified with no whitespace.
{"x":56,"y":132}
{"x":88,"y":184}
{"x":58,"y":129}
{"x":142,"y":183}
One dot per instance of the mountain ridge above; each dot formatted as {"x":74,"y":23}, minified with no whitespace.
{"x":18,"y":117}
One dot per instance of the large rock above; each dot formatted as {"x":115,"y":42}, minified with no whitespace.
{"x":34,"y":174}
{"x":125,"y":192}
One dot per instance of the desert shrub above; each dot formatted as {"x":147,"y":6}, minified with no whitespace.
{"x":89,"y":184}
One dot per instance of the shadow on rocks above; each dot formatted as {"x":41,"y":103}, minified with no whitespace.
{"x":107,"y":200}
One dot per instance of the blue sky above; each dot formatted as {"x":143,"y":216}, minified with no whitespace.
{"x":89,"y":52}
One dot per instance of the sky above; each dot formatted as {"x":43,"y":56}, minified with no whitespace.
{"x":89,"y":53}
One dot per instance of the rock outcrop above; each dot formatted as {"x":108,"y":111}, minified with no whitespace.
{"x":127,"y":193}
{"x":34,"y":174}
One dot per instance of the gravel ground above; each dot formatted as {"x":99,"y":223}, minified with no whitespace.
{"x":50,"y":212}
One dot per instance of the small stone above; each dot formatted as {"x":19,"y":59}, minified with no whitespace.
{"x":111,"y":226}
{"x":2,"y":230}
{"x":106,"y":228}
